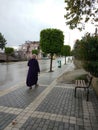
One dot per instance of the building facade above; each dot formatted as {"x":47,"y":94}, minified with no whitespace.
{"x":25,"y":50}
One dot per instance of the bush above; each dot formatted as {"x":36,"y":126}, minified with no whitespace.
{"x":35,"y":52}
{"x":81,"y":77}
{"x":86,"y":50}
{"x":92,"y":67}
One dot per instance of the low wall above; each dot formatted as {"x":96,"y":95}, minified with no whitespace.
{"x":3,"y":58}
{"x":69,"y":77}
{"x":95,"y":84}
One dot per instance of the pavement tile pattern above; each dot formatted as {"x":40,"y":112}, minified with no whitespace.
{"x":59,"y":101}
{"x":5,"y":119}
{"x":44,"y":124}
{"x":51,"y":106}
{"x":21,"y":97}
{"x":60,"y":111}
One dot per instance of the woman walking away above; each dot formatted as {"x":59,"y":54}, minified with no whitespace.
{"x":32,"y":76}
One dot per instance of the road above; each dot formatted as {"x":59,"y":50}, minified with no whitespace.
{"x":16,"y":72}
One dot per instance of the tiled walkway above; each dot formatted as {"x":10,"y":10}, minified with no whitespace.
{"x":48,"y":107}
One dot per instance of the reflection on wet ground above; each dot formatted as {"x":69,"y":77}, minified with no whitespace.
{"x":15,"y":72}
{"x":11,"y":73}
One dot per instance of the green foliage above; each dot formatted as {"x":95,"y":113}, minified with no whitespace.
{"x":65,"y":51}
{"x":79,"y":12}
{"x":71,"y":53}
{"x":82,"y":77}
{"x":51,"y":40}
{"x":76,"y":50}
{"x":2,"y":41}
{"x":89,"y":48}
{"x":9,"y":50}
{"x":92,"y":67}
{"x":35,"y":52}
{"x":86,"y":50}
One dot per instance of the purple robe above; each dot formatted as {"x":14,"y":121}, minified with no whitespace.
{"x":32,"y":76}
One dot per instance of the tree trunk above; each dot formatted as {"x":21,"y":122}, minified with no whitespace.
{"x":7,"y":58}
{"x":65,"y":60}
{"x":51,"y":58}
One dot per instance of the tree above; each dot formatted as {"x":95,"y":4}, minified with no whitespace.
{"x":2,"y":41}
{"x":65,"y":51}
{"x":51,"y":41}
{"x":35,"y":52}
{"x":79,"y":12}
{"x":88,"y":53}
{"x":8,"y":52}
{"x":76,"y":49}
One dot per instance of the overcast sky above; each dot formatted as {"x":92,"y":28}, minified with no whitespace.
{"x":22,"y":20}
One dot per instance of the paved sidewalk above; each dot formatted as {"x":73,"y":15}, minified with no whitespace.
{"x":51,"y":106}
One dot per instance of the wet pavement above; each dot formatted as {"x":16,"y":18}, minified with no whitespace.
{"x":51,"y":106}
{"x":12,"y":73}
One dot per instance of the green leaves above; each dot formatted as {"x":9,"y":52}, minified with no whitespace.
{"x":2,"y":41}
{"x":86,"y":50}
{"x":35,"y":52}
{"x":79,"y":12}
{"x":51,"y":40}
{"x":65,"y":51}
{"x":92,"y":67}
{"x":9,"y":50}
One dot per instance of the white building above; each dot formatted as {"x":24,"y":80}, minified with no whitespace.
{"x":25,"y":49}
